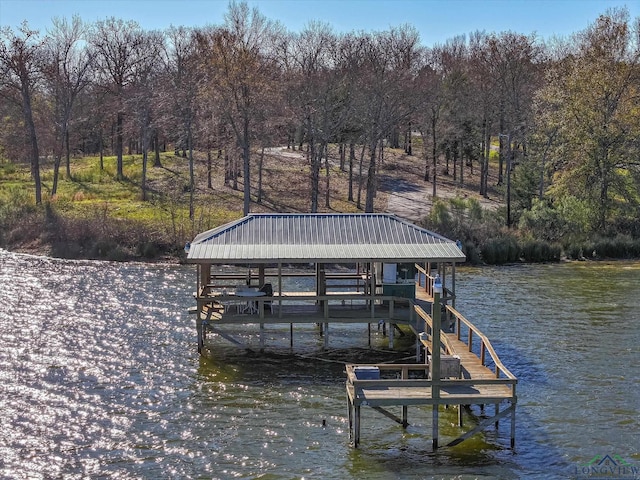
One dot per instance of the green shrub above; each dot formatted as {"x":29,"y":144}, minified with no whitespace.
{"x":147,"y":250}
{"x":498,"y":251}
{"x":575,"y":251}
{"x":536,"y":251}
{"x":471,"y":251}
{"x":620,"y":246}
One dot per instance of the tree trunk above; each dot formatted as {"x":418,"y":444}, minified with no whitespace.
{"x":462,"y":162}
{"x":33,"y":139}
{"x":352,"y":157}
{"x":56,"y":173}
{"x":144,"y":164}
{"x":359,"y":202}
{"x":501,"y":148}
{"x":246,"y":156}
{"x":315,"y":162}
{"x":156,"y":146}
{"x":67,"y":151}
{"x":426,"y":156}
{"x":487,"y":155}
{"x":119,"y":146}
{"x":327,"y":202}
{"x":192,"y":182}
{"x":209,"y":167}
{"x":434,"y":155}
{"x":260,"y":164}
{"x":101,"y":147}
{"x":371,"y":179}
{"x":455,"y":160}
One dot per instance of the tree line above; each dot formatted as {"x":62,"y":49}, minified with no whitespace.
{"x":562,"y":114}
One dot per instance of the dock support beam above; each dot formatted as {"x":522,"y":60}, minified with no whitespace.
{"x":435,"y":359}
{"x":513,"y":426}
{"x":199,"y":332}
{"x":326,"y":336}
{"x":262,"y":337}
{"x":485,"y":423}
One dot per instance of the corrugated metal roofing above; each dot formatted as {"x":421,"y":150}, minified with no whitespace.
{"x":339,"y":238}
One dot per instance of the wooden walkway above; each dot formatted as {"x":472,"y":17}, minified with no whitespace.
{"x":469,"y":382}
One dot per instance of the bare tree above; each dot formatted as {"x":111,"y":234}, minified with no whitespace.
{"x":141,"y":94}
{"x":184,"y":78}
{"x":486,"y":96}
{"x":430,"y":80}
{"x":67,"y":73}
{"x":241,"y":65}
{"x":319,"y":96}
{"x":386,"y":91}
{"x":20,"y":60}
{"x":117,"y":44}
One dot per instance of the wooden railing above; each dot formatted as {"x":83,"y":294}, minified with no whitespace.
{"x":425,"y":282}
{"x":472,"y":333}
{"x":428,"y":322}
{"x":373,"y":304}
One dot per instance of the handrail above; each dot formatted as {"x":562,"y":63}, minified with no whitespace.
{"x":485,"y":345}
{"x":444,"y":340}
{"x":373,"y":303}
{"x":404,"y":381}
{"x":447,"y":294}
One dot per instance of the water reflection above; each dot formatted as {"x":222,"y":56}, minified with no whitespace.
{"x":99,"y":376}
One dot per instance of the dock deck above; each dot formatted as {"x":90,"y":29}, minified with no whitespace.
{"x":469,"y":382}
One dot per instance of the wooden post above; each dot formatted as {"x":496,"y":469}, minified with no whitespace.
{"x":262,"y":337}
{"x":434,"y":427}
{"x":350,"y":414}
{"x":356,"y":426}
{"x":205,"y":276}
{"x":435,"y":357}
{"x":405,"y":409}
{"x":199,"y":331}
{"x":279,"y":290}
{"x":513,"y":426}
{"x":326,"y":336}
{"x":453,"y":284}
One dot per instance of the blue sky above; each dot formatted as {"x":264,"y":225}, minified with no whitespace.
{"x":436,"y":20}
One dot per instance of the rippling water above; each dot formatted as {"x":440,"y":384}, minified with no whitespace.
{"x":100,"y":378}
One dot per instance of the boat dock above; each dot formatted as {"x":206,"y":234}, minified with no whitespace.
{"x":370,"y":269}
{"x":451,"y":375}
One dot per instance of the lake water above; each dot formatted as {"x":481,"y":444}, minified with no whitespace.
{"x":100,"y":378}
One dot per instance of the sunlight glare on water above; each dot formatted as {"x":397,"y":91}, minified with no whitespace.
{"x":100,"y":377}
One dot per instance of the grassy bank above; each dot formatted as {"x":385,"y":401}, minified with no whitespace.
{"x":94,"y":215}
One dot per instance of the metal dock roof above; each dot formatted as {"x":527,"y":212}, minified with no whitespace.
{"x":322,"y":238}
